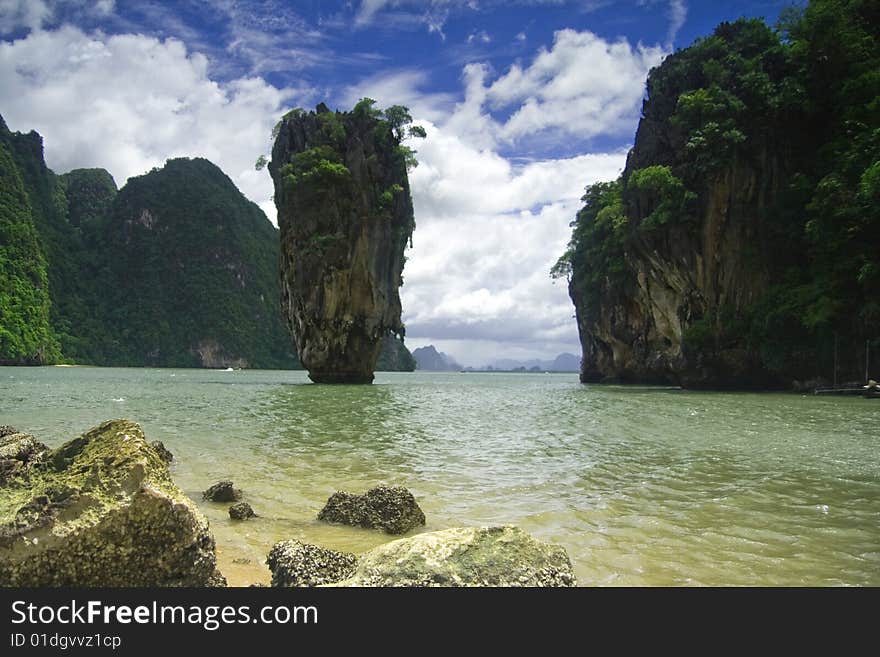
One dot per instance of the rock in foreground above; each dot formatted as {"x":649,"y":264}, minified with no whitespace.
{"x":465,"y":556}
{"x":394,"y":510}
{"x":294,"y":563}
{"x":101,"y":510}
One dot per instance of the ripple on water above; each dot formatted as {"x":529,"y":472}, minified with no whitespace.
{"x":641,"y":486}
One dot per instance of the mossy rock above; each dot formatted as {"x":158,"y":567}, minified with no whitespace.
{"x":101,"y":510}
{"x":465,"y":556}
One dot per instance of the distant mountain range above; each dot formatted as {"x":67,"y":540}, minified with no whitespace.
{"x":431,"y":360}
{"x":562,"y":363}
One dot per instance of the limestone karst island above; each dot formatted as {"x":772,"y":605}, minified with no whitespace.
{"x":371,"y":295}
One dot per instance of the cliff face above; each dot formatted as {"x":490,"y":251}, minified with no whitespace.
{"x":26,"y":336}
{"x":346,"y":216}
{"x":394,"y":356}
{"x":711,"y":265}
{"x":739,"y":243}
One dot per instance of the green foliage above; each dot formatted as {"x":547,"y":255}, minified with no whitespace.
{"x":366,"y":109}
{"x":261,"y":163}
{"x":190,"y":264}
{"x":398,"y":117}
{"x":25,"y":332}
{"x":316,"y":170}
{"x":596,"y":254}
{"x":408,"y":155}
{"x":662,"y":197}
{"x":332,"y":128}
{"x":709,"y":117}
{"x":89,"y":194}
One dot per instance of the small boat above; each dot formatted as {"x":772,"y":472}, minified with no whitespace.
{"x":872,"y":390}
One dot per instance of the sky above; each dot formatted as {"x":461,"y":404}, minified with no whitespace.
{"x":524,"y":102}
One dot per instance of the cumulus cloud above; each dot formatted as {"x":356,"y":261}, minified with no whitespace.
{"x":488,"y":233}
{"x":129,"y":102}
{"x":401,"y":87}
{"x":37,"y":14}
{"x":583,"y":86}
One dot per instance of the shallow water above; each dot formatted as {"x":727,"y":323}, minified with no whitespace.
{"x":642,"y":486}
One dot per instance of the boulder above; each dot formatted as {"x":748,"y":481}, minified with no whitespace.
{"x":294,"y":563}
{"x":465,"y":556}
{"x":394,"y":510}
{"x":222,"y":491}
{"x":163,"y":452}
{"x":241,"y":511}
{"x":101,"y":510}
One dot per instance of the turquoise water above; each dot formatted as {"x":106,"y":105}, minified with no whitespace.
{"x":641,"y":486}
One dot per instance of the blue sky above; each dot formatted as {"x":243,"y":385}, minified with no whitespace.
{"x":525,"y":103}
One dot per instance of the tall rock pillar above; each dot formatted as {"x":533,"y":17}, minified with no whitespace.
{"x":345,"y":215}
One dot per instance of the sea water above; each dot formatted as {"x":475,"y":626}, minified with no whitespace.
{"x":642,"y":486}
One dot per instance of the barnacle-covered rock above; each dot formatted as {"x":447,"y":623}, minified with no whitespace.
{"x":294,"y":563}
{"x":394,"y":510}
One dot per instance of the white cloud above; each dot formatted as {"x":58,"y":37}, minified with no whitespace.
{"x":368,"y":11}
{"x":127,"y":103}
{"x":401,"y":87}
{"x":677,"y":17}
{"x":487,"y":235}
{"x":17,"y":14}
{"x":583,"y":86}
{"x":480,"y":36}
{"x":38,"y":14}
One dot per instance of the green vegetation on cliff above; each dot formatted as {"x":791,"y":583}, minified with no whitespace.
{"x":191,"y":271}
{"x":25,"y":332}
{"x":744,"y":233}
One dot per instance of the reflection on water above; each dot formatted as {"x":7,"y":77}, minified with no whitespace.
{"x":642,"y":486}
